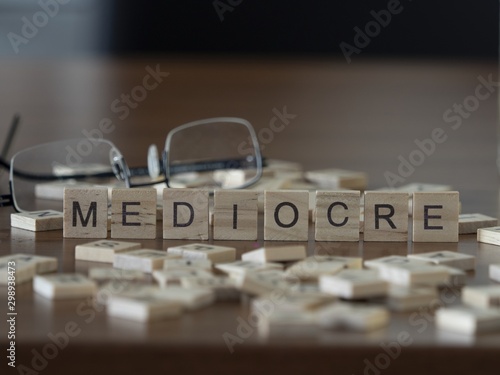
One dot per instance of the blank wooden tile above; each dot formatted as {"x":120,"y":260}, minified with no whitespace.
{"x":338,"y":178}
{"x":285,"y":323}
{"x":392,"y":260}
{"x":145,"y":260}
{"x":410,"y":298}
{"x":37,"y":221}
{"x":64,"y":286}
{"x":185,"y":214}
{"x":43,"y":264}
{"x":411,"y":274}
{"x":224,"y":287}
{"x":313,"y":267}
{"x":470,"y":223}
{"x":103,"y":250}
{"x":482,"y":296}
{"x":467,"y":320}
{"x":20,"y":272}
{"x":435,"y":216}
{"x":133,"y":213}
{"x":286,"y":215}
{"x":115,"y":274}
{"x":261,"y":283}
{"x":386,"y":216}
{"x":85,"y":212}
{"x":217,"y":254}
{"x":354,"y":284}
{"x":173,"y":276}
{"x":457,"y":277}
{"x":337,"y":216}
{"x":235,"y":215}
{"x":295,"y":302}
{"x":243,"y":266}
{"x":276,"y":254}
{"x":494,"y":272}
{"x":142,"y":307}
{"x":489,"y":235}
{"x":190,"y":298}
{"x":352,"y":317}
{"x":448,"y":258}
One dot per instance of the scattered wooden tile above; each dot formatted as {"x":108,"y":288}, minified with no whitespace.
{"x":205,"y":264}
{"x":354,"y":284}
{"x":410,"y":298}
{"x":37,"y":221}
{"x":467,"y":320}
{"x":185,"y":214}
{"x":85,"y":212}
{"x":489,"y":235}
{"x":483,"y":296}
{"x":470,"y":223}
{"x":435,"y":216}
{"x":262,"y":282}
{"x":295,"y":302}
{"x":224,"y":287}
{"x":43,"y":264}
{"x":168,"y":277}
{"x":235,"y":215}
{"x":494,"y":272}
{"x":145,"y":260}
{"x":13,"y":270}
{"x":313,"y":267}
{"x":133,"y":213}
{"x":448,"y":258}
{"x":216,"y":254}
{"x":189,"y":298}
{"x":64,"y":286}
{"x":385,"y":217}
{"x":392,"y":260}
{"x":411,"y":274}
{"x":142,"y":307}
{"x":352,"y":317}
{"x":286,"y":215}
{"x":334,"y":178}
{"x":457,"y":278}
{"x":115,"y":274}
{"x":243,"y":266}
{"x":103,"y":250}
{"x":287,"y":323}
{"x":337,"y":216}
{"x":275,"y":254}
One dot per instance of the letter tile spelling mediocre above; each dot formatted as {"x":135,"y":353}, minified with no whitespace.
{"x":337,"y":216}
{"x":235,"y":215}
{"x":386,"y":216}
{"x":286,"y":215}
{"x":185,"y":214}
{"x":85,"y":212}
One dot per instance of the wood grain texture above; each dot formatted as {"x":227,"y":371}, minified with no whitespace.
{"x":386,"y":216}
{"x":235,"y":215}
{"x":37,"y":221}
{"x":286,"y":215}
{"x":85,"y":212}
{"x":337,"y":216}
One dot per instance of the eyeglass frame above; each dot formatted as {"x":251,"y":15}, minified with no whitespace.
{"x":122,"y":172}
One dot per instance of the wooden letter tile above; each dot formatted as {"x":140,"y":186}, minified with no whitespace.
{"x":468,"y":320}
{"x":275,"y":254}
{"x":64,"y":286}
{"x":85,"y":212}
{"x":448,"y":258}
{"x":185,"y":214}
{"x":235,"y":215}
{"x":286,"y":215}
{"x":37,"y":221}
{"x":103,"y":250}
{"x":482,"y":296}
{"x":353,"y":284}
{"x":494,"y":272}
{"x":470,"y":223}
{"x":489,"y":235}
{"x":386,"y":216}
{"x":337,"y":216}
{"x":133,"y":213}
{"x":217,"y":254}
{"x":435,"y":216}
{"x":144,"y":260}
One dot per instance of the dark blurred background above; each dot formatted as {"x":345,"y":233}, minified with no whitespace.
{"x":446,"y":28}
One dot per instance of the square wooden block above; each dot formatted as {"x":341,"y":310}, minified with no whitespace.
{"x":337,"y":216}
{"x":103,"y":250}
{"x":448,"y":258}
{"x":133,"y":213}
{"x":185,"y":214}
{"x":85,"y":212}
{"x":386,"y":216}
{"x":217,"y":254}
{"x":435,"y":216}
{"x":483,"y":296}
{"x":37,"y":221}
{"x":467,"y":320}
{"x":470,"y":223}
{"x":244,"y":266}
{"x":102,"y":273}
{"x":235,"y":215}
{"x":489,"y":235}
{"x":167,"y":277}
{"x":64,"y":286}
{"x":286,"y":215}
{"x":205,"y":264}
{"x":353,"y":284}
{"x":145,"y":260}
{"x":276,"y":254}
{"x":353,"y":317}
{"x":11,"y":269}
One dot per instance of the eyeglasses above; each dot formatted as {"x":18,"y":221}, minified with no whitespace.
{"x":220,"y":152}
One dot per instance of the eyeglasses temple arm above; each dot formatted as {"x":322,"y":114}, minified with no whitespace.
{"x":10,"y":136}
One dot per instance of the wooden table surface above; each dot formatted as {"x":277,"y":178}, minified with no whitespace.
{"x":362,"y":116}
